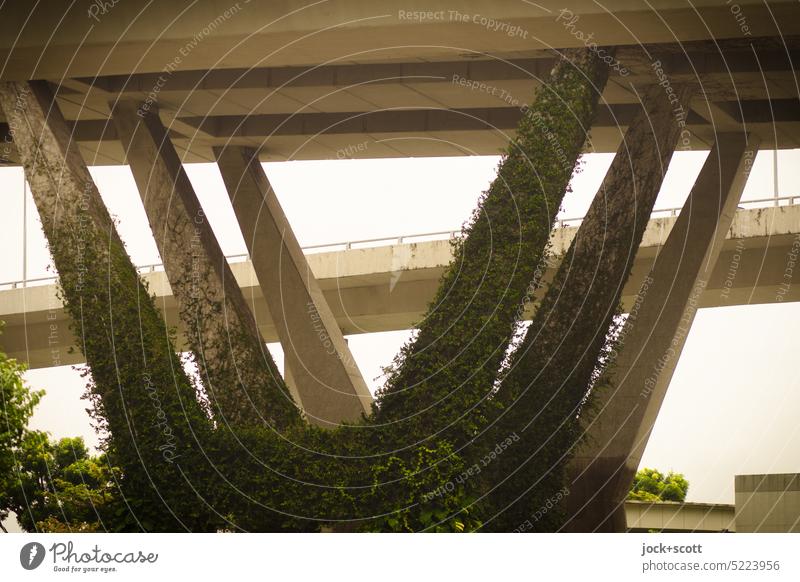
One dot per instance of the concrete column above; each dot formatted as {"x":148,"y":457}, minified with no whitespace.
{"x":243,"y":382}
{"x":318,"y":361}
{"x":552,"y":368}
{"x":156,"y":426}
{"x":651,"y":341}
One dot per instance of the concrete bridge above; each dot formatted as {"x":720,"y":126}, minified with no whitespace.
{"x":386,"y":285}
{"x":381,"y":80}
{"x":153,"y":85}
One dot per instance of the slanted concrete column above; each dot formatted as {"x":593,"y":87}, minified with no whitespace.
{"x":651,"y":341}
{"x":318,"y":360}
{"x":242,"y":379}
{"x":137,"y":387}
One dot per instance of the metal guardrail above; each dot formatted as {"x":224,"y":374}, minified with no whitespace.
{"x":376,"y":242}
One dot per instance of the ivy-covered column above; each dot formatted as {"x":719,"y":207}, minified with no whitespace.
{"x":140,"y":393}
{"x":241,"y":378}
{"x":650,"y":343}
{"x":552,"y":369}
{"x":443,"y":377}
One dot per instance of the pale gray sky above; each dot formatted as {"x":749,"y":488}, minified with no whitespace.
{"x":731,"y":407}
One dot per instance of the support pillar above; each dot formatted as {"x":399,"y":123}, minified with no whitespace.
{"x":553,"y":367}
{"x":243,"y":382}
{"x":318,"y":360}
{"x":137,"y":389}
{"x":651,"y":341}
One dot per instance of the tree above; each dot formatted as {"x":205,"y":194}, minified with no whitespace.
{"x":59,"y":486}
{"x":16,"y":407}
{"x":50,"y":485}
{"x":652,"y":485}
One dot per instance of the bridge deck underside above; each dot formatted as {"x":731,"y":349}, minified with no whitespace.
{"x":375,"y":83}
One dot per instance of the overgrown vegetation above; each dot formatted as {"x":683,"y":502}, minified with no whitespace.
{"x":653,"y":485}
{"x":428,"y":456}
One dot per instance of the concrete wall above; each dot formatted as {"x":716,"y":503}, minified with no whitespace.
{"x":643,"y":516}
{"x":768,"y":503}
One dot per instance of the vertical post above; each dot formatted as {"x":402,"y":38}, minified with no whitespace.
{"x":775,"y":186}
{"x":24,"y":231}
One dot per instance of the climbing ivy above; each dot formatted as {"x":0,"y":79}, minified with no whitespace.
{"x":441,"y":382}
{"x":574,"y":330}
{"x":414,"y":464}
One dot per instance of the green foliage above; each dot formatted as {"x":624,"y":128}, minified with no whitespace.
{"x":411,"y":465}
{"x":50,"y":485}
{"x":59,"y":486}
{"x":652,"y":485}
{"x":441,"y":383}
{"x":17,"y":403}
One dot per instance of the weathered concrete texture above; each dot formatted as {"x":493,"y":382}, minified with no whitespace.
{"x":319,"y":366}
{"x":135,"y":372}
{"x":768,"y":503}
{"x":555,"y":363}
{"x":651,"y":341}
{"x":241,"y":378}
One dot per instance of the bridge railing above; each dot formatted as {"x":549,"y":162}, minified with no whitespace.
{"x":404,"y":239}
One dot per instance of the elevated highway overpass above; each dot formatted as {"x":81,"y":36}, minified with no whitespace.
{"x":374,"y":287}
{"x":241,"y":82}
{"x":379,"y":80}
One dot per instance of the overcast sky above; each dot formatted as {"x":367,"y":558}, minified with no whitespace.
{"x":732,"y":405}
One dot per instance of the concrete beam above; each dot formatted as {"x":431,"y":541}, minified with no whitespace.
{"x":652,"y":339}
{"x":242,"y":381}
{"x":140,"y":36}
{"x":388,"y":287}
{"x":322,"y":370}
{"x":644,"y":517}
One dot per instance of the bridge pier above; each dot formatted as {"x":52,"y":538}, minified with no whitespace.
{"x":652,"y":339}
{"x":319,"y":366}
{"x":551,"y":368}
{"x":243,"y":382}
